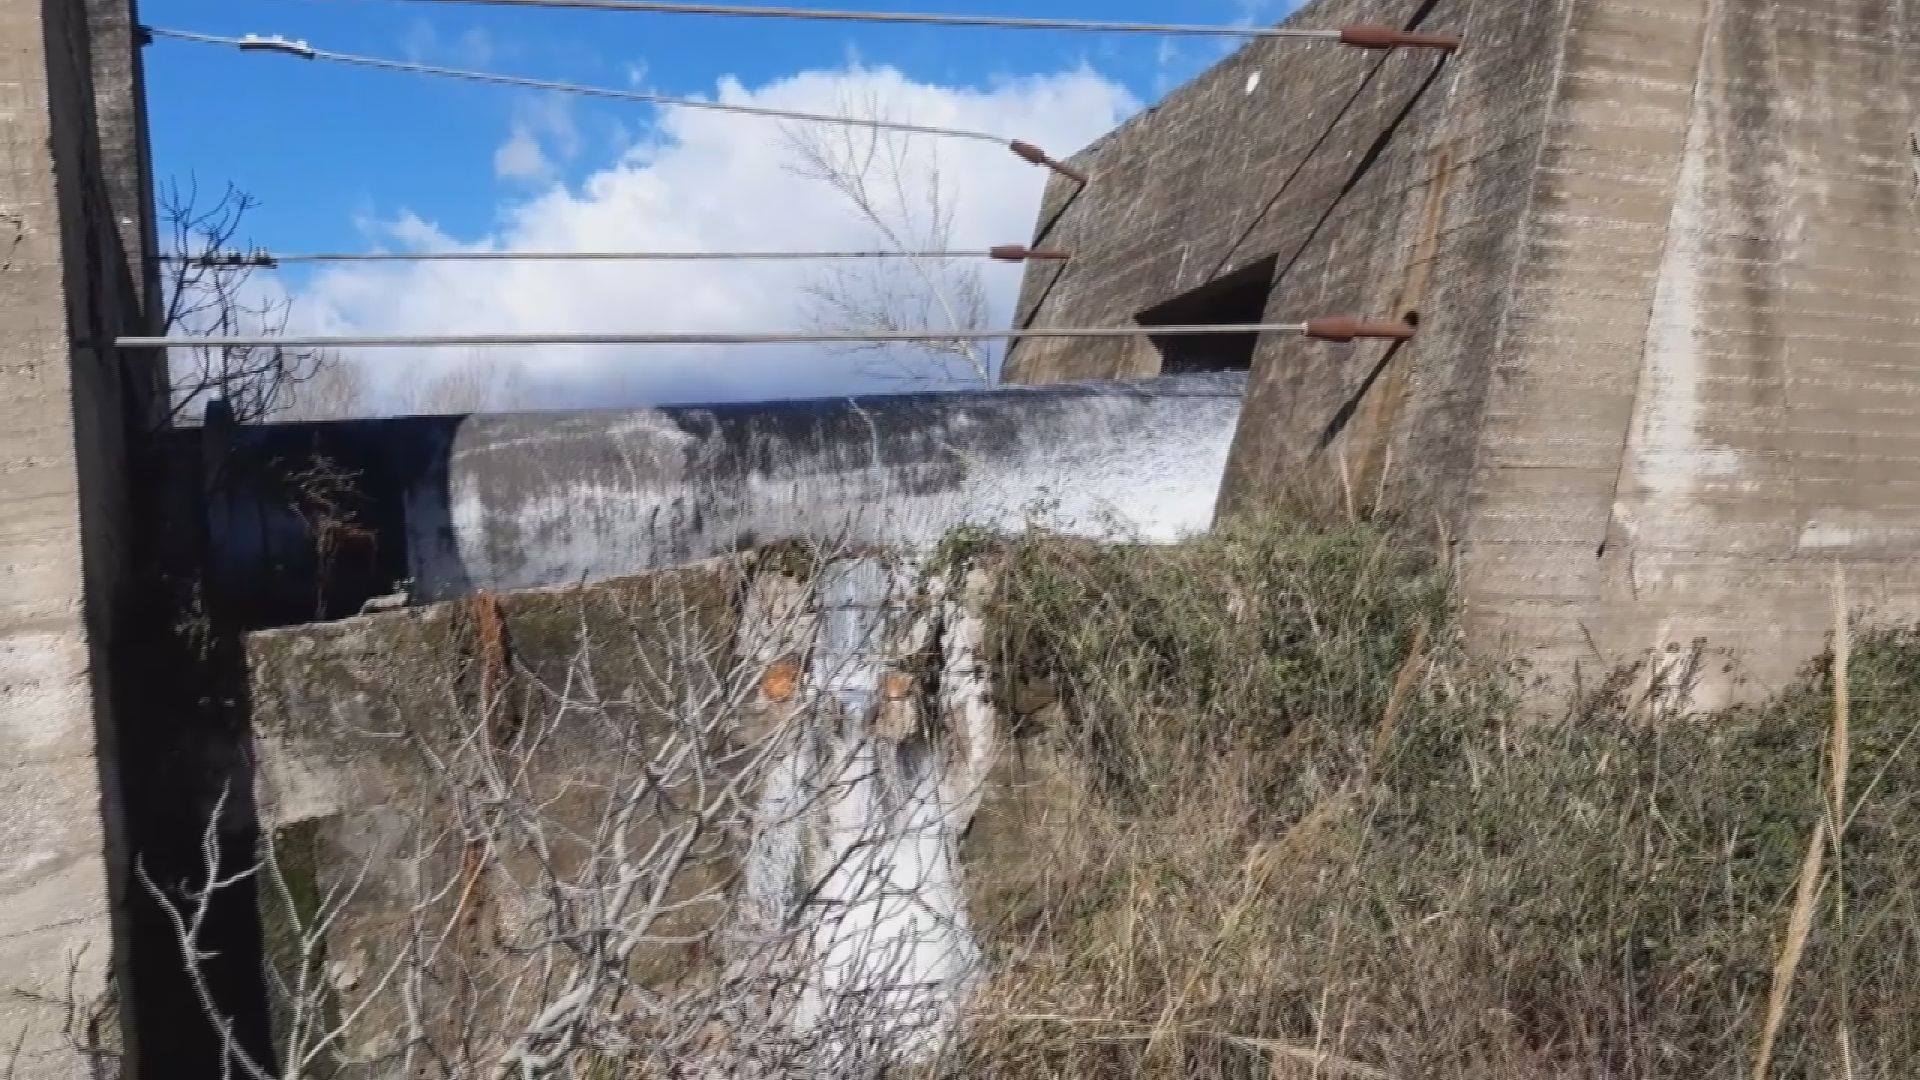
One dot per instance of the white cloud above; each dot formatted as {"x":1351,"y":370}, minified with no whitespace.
{"x":422,"y":42}
{"x":543,"y":137}
{"x":520,"y":158}
{"x":1265,"y":12}
{"x":702,"y":181}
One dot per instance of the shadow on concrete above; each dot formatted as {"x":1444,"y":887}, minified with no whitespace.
{"x":1367,"y":161}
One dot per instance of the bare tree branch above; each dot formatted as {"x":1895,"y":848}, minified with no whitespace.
{"x":893,"y":182}
{"x":221,"y":297}
{"x":731,"y":853}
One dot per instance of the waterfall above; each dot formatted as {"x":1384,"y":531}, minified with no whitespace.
{"x":861,"y":820}
{"x":541,"y":501}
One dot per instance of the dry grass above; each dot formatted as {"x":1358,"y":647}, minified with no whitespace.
{"x":1268,"y":821}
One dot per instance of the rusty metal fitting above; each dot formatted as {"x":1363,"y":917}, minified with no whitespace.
{"x":1345,"y":328}
{"x":1029,"y":152}
{"x":1386,"y":37}
{"x":1026,"y":151}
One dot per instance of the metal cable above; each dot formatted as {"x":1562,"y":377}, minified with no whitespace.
{"x":1011,"y":253}
{"x":802,"y":338}
{"x":257,"y":43}
{"x":912,"y":18}
{"x":1328,"y":329}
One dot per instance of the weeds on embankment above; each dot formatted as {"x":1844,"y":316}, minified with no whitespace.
{"x":1267,"y":820}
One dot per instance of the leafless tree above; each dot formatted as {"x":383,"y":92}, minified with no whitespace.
{"x":210,"y":288}
{"x":894,"y":182}
{"x":337,"y":390}
{"x":721,"y":853}
{"x":474,"y":383}
{"x":340,"y":389}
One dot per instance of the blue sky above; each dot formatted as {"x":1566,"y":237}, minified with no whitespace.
{"x":324,"y":147}
{"x":344,"y":159}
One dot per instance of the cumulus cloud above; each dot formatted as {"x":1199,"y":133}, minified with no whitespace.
{"x":521,"y":158}
{"x":700,"y":181}
{"x":543,"y":137}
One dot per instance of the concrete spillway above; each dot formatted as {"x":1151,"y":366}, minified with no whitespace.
{"x":853,"y":891}
{"x":448,"y":506}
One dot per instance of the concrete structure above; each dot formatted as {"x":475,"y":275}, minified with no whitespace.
{"x":823,"y":808}
{"x":1662,"y":256}
{"x":1663,"y":259}
{"x":69,"y":252}
{"x":445,"y":506}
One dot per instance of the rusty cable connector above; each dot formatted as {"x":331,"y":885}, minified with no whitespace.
{"x":1029,"y":152}
{"x":1386,"y":37}
{"x":1345,"y":328}
{"x":1019,"y":253}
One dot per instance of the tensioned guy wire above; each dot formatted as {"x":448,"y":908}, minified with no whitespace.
{"x":1366,"y":37}
{"x":1007,"y":253}
{"x":1335,"y":328}
{"x":257,"y":43}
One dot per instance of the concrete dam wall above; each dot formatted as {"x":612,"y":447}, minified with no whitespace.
{"x":1663,"y":257}
{"x":309,"y":521}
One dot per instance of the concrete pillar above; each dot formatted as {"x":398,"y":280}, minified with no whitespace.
{"x":64,"y":410}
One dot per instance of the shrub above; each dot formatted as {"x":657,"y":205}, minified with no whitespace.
{"x":1269,"y":820}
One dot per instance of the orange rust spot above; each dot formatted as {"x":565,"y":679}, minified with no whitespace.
{"x":898,"y":686}
{"x":490,"y":625}
{"x":781,"y":682}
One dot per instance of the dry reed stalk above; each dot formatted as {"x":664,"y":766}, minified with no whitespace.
{"x":1842,"y":702}
{"x":1830,"y":828}
{"x":1396,"y":702}
{"x":1799,"y":928}
{"x":1347,"y":498}
{"x":1842,"y":766}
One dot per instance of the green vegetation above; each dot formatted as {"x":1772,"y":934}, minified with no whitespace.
{"x":1268,"y":820}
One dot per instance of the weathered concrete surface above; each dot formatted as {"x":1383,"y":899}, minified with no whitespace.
{"x":350,"y":714}
{"x":324,"y":695}
{"x":1663,"y":255}
{"x":63,"y":550}
{"x":1376,"y":184}
{"x":410,"y":760}
{"x":1709,"y":402}
{"x":508,"y":502}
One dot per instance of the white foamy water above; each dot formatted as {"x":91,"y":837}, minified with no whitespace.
{"x":859,"y":849}
{"x":536,"y":501}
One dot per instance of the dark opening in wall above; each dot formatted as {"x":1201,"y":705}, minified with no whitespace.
{"x":1238,"y":298}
